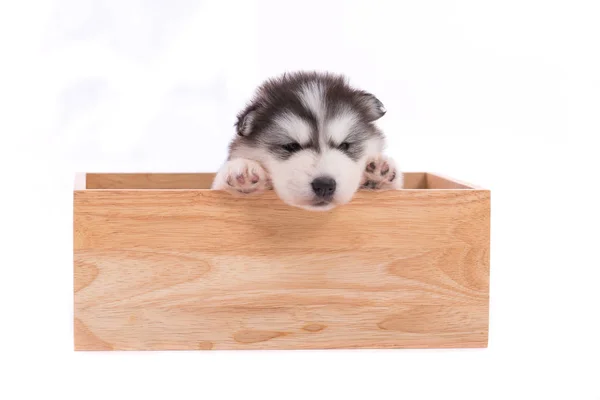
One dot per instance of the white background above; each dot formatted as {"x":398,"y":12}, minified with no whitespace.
{"x":505,"y":94}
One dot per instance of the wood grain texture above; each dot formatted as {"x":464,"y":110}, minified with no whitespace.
{"x":150,"y":181}
{"x":436,"y":181}
{"x":412,"y":180}
{"x":200,"y":269}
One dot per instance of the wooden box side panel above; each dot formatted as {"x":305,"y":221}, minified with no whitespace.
{"x":412,"y":180}
{"x":149,"y":181}
{"x":199,"y":270}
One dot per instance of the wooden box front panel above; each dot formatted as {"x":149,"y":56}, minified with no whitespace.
{"x":199,"y":269}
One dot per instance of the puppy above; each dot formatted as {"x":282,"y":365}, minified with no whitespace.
{"x":311,"y":137}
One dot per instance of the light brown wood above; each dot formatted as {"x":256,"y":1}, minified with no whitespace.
{"x":200,"y":269}
{"x":150,"y":181}
{"x":412,"y":180}
{"x":415,"y":180}
{"x":436,"y":181}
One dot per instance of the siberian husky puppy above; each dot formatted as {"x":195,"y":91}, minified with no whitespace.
{"x":312,"y":138}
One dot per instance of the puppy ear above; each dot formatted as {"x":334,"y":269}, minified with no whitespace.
{"x":245,"y":121}
{"x":372,"y":105}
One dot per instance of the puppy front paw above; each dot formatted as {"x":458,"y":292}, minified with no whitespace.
{"x":242,"y":176}
{"x":381,"y":174}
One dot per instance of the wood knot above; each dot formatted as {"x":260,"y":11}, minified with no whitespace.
{"x":205,"y":345}
{"x":256,"y":336}
{"x":314,"y":327}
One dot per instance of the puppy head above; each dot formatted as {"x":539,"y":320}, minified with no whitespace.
{"x":313,"y":133}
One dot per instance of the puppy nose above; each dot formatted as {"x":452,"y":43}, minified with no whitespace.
{"x":323,"y":187}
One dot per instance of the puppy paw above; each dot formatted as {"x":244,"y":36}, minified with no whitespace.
{"x":381,"y":174}
{"x":241,"y":176}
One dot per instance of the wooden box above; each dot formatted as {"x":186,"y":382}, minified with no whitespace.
{"x":161,"y":262}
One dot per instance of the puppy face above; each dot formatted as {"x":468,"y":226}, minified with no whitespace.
{"x":313,"y":133}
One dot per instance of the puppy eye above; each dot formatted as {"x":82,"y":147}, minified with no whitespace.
{"x":292,"y":147}
{"x":344,"y":146}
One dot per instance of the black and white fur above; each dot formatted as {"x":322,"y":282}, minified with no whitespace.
{"x":312,"y":138}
